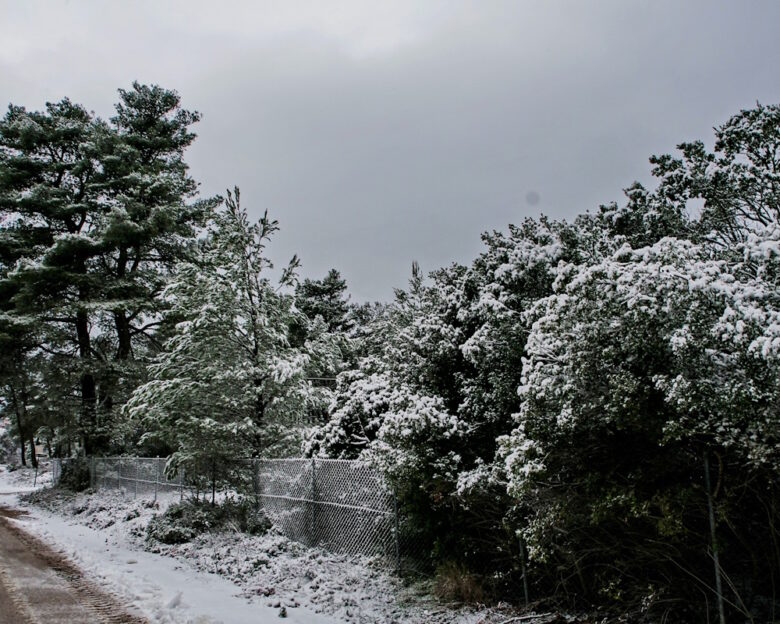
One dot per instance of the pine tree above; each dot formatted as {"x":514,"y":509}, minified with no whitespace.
{"x":228,"y":383}
{"x":48,"y":161}
{"x":150,"y":226}
{"x":95,"y":216}
{"x":326,"y":298}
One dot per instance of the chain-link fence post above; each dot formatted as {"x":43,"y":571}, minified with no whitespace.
{"x":137,"y":477}
{"x":92,"y":472}
{"x":156,"y":476}
{"x":181,"y":485}
{"x":397,"y":533}
{"x":313,"y":504}
{"x":256,"y":483}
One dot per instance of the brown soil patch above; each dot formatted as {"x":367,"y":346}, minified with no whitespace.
{"x":69,"y":587}
{"x":8,"y":512}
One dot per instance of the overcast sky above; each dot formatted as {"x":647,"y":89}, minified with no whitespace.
{"x":379,"y":133}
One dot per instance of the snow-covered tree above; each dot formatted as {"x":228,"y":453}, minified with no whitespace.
{"x":228,"y":383}
{"x":637,"y":368}
{"x":457,"y":338}
{"x":94,"y":216}
{"x":326,"y":298}
{"x":644,"y":349}
{"x":438,"y":387}
{"x":737,"y":185}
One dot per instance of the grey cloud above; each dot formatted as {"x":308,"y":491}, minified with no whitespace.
{"x":372,"y":157}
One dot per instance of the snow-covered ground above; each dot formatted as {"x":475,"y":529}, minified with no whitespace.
{"x":226,"y":577}
{"x":161,"y":588}
{"x":21,"y":481}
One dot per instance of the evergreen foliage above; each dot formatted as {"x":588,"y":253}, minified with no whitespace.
{"x":94,"y":216}
{"x":326,"y":298}
{"x":570,"y":403}
{"x":228,"y":383}
{"x":557,"y":402}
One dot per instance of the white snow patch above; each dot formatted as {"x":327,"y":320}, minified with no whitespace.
{"x":228,"y":577}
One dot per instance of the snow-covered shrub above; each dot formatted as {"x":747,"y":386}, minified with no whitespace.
{"x":636,"y":368}
{"x":183,"y":521}
{"x":642,"y":339}
{"x":437,"y":387}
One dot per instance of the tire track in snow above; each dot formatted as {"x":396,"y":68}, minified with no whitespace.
{"x":44,"y":586}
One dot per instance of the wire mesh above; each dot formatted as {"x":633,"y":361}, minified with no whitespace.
{"x":340,"y":505}
{"x":143,"y":477}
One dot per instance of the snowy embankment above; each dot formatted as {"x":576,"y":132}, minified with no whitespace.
{"x":225,"y":577}
{"x":160,"y":588}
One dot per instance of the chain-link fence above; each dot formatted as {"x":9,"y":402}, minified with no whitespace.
{"x":340,"y":505}
{"x":139,"y":476}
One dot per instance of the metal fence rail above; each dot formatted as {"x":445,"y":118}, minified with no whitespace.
{"x":340,"y":505}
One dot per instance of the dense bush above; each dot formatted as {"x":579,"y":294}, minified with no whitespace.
{"x":183,"y":521}
{"x":554,"y":404}
{"x":75,"y":474}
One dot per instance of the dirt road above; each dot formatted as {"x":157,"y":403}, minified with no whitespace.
{"x":39,"y":585}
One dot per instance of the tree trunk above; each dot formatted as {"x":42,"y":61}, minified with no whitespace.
{"x":122,"y":325}
{"x":713,"y":541}
{"x":87,"y":382}
{"x":121,"y":322}
{"x":259,"y":418}
{"x":33,"y":454}
{"x":19,"y":426}
{"x":22,"y":450}
{"x":213,"y":481}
